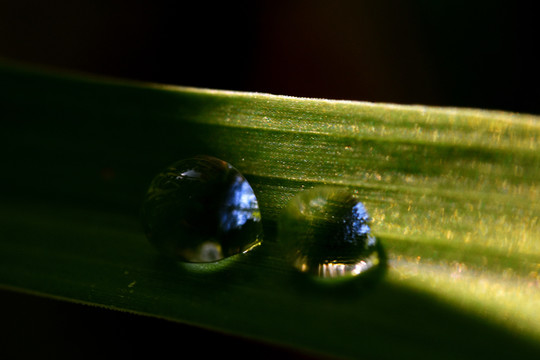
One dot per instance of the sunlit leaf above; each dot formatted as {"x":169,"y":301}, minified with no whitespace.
{"x":453,"y":193}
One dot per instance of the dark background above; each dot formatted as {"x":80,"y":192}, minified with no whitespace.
{"x":449,"y":53}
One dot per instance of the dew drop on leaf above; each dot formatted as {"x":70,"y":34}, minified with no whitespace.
{"x":325,"y":232}
{"x":201,"y":210}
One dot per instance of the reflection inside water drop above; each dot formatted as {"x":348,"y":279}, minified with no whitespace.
{"x":240,"y":206}
{"x":201,"y":210}
{"x":326,"y":233}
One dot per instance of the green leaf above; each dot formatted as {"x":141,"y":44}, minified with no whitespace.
{"x":454,"y":194}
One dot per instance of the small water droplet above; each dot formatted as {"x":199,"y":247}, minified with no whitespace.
{"x":201,"y":210}
{"x":325,"y":232}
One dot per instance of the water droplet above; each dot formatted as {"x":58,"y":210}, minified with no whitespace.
{"x":201,"y":210}
{"x":325,"y":232}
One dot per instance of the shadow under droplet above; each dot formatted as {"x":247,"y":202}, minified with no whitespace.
{"x":237,"y":269}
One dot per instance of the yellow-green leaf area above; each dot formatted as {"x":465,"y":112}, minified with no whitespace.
{"x":453,"y":194}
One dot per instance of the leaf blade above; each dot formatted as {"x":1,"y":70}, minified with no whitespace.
{"x":445,"y":185}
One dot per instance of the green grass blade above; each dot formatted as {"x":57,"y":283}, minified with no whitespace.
{"x":454,"y":194}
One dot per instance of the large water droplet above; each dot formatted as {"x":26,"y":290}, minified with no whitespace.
{"x":201,"y":210}
{"x":325,"y":232}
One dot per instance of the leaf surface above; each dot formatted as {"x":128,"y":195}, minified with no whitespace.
{"x":453,"y":193}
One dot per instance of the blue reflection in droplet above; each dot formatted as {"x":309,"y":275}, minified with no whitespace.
{"x":326,"y":232}
{"x":356,"y":227}
{"x":240,"y":206}
{"x":201,"y":210}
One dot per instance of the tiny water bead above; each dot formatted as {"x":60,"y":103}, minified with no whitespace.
{"x":201,"y":210}
{"x":325,"y":232}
